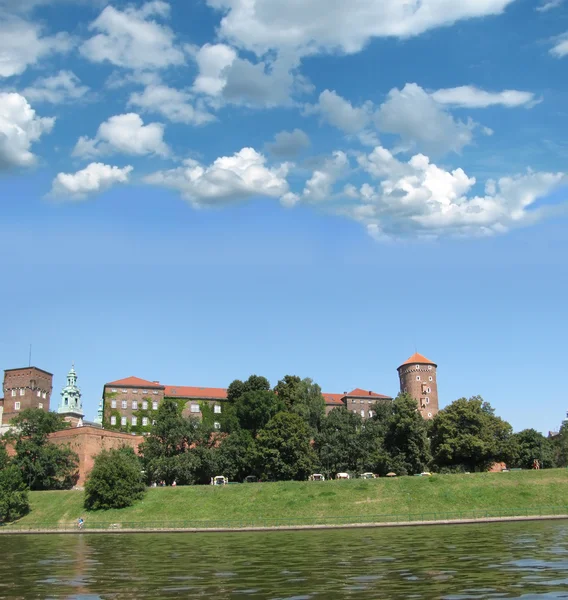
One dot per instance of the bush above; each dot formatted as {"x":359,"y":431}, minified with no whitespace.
{"x":116,"y":480}
{"x":13,"y":495}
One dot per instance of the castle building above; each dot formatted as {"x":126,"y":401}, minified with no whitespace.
{"x":359,"y":401}
{"x":24,"y":388}
{"x":417,"y":377}
{"x":70,"y":405}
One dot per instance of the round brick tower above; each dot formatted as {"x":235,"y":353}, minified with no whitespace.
{"x":417,"y":377}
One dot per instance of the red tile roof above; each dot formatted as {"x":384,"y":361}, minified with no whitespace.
{"x":419,"y":360}
{"x":134,"y":382}
{"x":358,"y":392}
{"x":333,"y":398}
{"x":183,"y":391}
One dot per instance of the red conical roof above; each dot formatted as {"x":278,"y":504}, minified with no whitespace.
{"x":419,"y":360}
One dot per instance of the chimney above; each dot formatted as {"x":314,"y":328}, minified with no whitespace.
{"x":370,"y":393}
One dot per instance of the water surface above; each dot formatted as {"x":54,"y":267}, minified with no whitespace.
{"x":504,"y":560}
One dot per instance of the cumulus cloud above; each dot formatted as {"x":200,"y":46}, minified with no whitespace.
{"x":125,"y":134}
{"x":65,"y":86}
{"x":319,"y":187}
{"x":22,"y":45}
{"x":133,"y":39}
{"x":176,"y":105}
{"x":94,"y":178}
{"x":419,"y":198}
{"x":288,"y":144}
{"x":340,"y":113}
{"x":212,"y":61}
{"x":560,"y":49}
{"x":468,"y":96}
{"x":228,"y":179}
{"x":19,"y":128}
{"x":549,"y":5}
{"x":309,"y":26}
{"x":422,"y":123}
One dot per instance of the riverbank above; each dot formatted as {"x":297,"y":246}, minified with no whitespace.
{"x":331,"y":503}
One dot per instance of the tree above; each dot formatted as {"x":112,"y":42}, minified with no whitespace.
{"x":255,"y":408}
{"x":284,"y":448}
{"x":560,"y":446}
{"x":466,"y":435}
{"x":338,"y":443}
{"x":44,"y":466}
{"x":302,"y":397}
{"x":235,"y":456}
{"x":4,"y":458}
{"x":116,"y":480}
{"x":13,"y":495}
{"x":530,"y":445}
{"x":405,"y":437}
{"x":255,"y":383}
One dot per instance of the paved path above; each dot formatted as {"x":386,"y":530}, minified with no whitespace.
{"x":113,"y":530}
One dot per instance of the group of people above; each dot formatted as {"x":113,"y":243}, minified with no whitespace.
{"x":163,"y":484}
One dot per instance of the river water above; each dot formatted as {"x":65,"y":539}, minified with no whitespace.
{"x":505,"y":560}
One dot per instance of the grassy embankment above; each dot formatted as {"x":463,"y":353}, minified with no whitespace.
{"x":360,"y":500}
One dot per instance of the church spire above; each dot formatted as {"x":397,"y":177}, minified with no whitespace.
{"x":70,"y":403}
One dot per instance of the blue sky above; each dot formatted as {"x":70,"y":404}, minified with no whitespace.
{"x":192,"y":192}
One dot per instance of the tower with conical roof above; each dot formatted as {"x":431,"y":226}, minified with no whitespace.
{"x":70,"y":404}
{"x":417,"y":377}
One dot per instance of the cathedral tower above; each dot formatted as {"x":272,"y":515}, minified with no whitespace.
{"x":417,"y":377}
{"x":70,"y":404}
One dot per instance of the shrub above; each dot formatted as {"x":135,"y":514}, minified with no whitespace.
{"x":116,"y":480}
{"x":13,"y":495}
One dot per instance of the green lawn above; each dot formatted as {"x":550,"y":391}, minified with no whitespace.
{"x":360,"y":500}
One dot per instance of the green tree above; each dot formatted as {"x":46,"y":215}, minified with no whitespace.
{"x":284,"y":449}
{"x":528,"y":445}
{"x":405,"y":437}
{"x":116,"y":480}
{"x":255,"y":408}
{"x":560,"y":446}
{"x":302,"y":397}
{"x":13,"y":494}
{"x":466,"y":435}
{"x":338,"y":443}
{"x":4,"y":458}
{"x":235,"y":456}
{"x":44,"y":466}
{"x":255,"y":383}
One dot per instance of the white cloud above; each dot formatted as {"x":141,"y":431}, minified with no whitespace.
{"x":212,"y":61}
{"x":418,"y":198}
{"x":132,"y":39}
{"x":560,"y":50}
{"x":19,"y":128}
{"x":228,"y":179}
{"x":22,"y":45}
{"x":56,"y":89}
{"x":176,"y":105}
{"x":94,"y":178}
{"x":340,"y":113}
{"x":308,"y":26}
{"x":319,"y":188}
{"x":421,"y":122}
{"x":126,"y":134}
{"x":468,"y":96}
{"x":549,"y":5}
{"x":288,"y":144}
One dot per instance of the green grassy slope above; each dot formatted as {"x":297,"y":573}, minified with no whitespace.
{"x":362,"y":499}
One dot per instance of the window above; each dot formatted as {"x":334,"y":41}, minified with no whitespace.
{"x":153,"y":421}
{"x":44,"y":395}
{"x":113,"y":420}
{"x":370,"y":414}
{"x":13,"y":392}
{"x":195,"y":408}
{"x":427,"y":400}
{"x":430,"y":378}
{"x":154,"y":406}
{"x":417,"y":367}
{"x":145,"y":405}
{"x":363,"y":413}
{"x":428,"y":390}
{"x":134,"y":421}
{"x":113,"y":403}
{"x":144,"y":421}
{"x":155,"y":393}
{"x":124,"y":391}
{"x":113,"y":391}
{"x":22,"y":391}
{"x":40,"y":405}
{"x":39,"y":393}
{"x":124,"y":404}
{"x":417,"y":377}
{"x":430,"y":415}
{"x":123,"y":421}
{"x":217,"y":425}
{"x":144,"y":391}
{"x":134,"y":405}
{"x":429,"y":367}
{"x":16,"y":406}
{"x":134,"y":391}
{"x":217,"y":409}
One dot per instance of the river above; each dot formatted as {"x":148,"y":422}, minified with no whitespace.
{"x":504,"y":560}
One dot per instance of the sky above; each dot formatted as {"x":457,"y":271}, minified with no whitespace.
{"x":192,"y":192}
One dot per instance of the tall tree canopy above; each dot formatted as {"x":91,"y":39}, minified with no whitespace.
{"x":302,"y":397}
{"x":13,"y":494}
{"x":255,"y":383}
{"x":466,"y":435}
{"x":530,"y":445}
{"x":254,"y":409}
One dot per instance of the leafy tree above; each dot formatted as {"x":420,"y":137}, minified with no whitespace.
{"x":338,"y":443}
{"x":466,"y":435}
{"x":405,"y":437}
{"x":235,"y":390}
{"x":235,"y":456}
{"x":302,"y":397}
{"x":255,"y":383}
{"x":528,"y":445}
{"x":116,"y":480}
{"x":4,"y":458}
{"x":13,"y":495}
{"x":560,"y":446}
{"x":284,"y":448}
{"x":44,"y":466}
{"x":254,"y":409}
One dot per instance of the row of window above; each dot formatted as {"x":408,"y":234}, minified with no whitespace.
{"x":23,"y":393}
{"x":371,"y":413}
{"x":155,"y":392}
{"x":145,"y":421}
{"x":144,"y":404}
{"x":362,"y":401}
{"x":17,"y":405}
{"x":429,"y":378}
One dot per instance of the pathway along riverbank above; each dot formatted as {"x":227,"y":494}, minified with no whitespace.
{"x":117,"y":529}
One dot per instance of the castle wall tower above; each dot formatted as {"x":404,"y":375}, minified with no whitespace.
{"x":29,"y":387}
{"x":70,"y":405}
{"x":417,"y":377}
